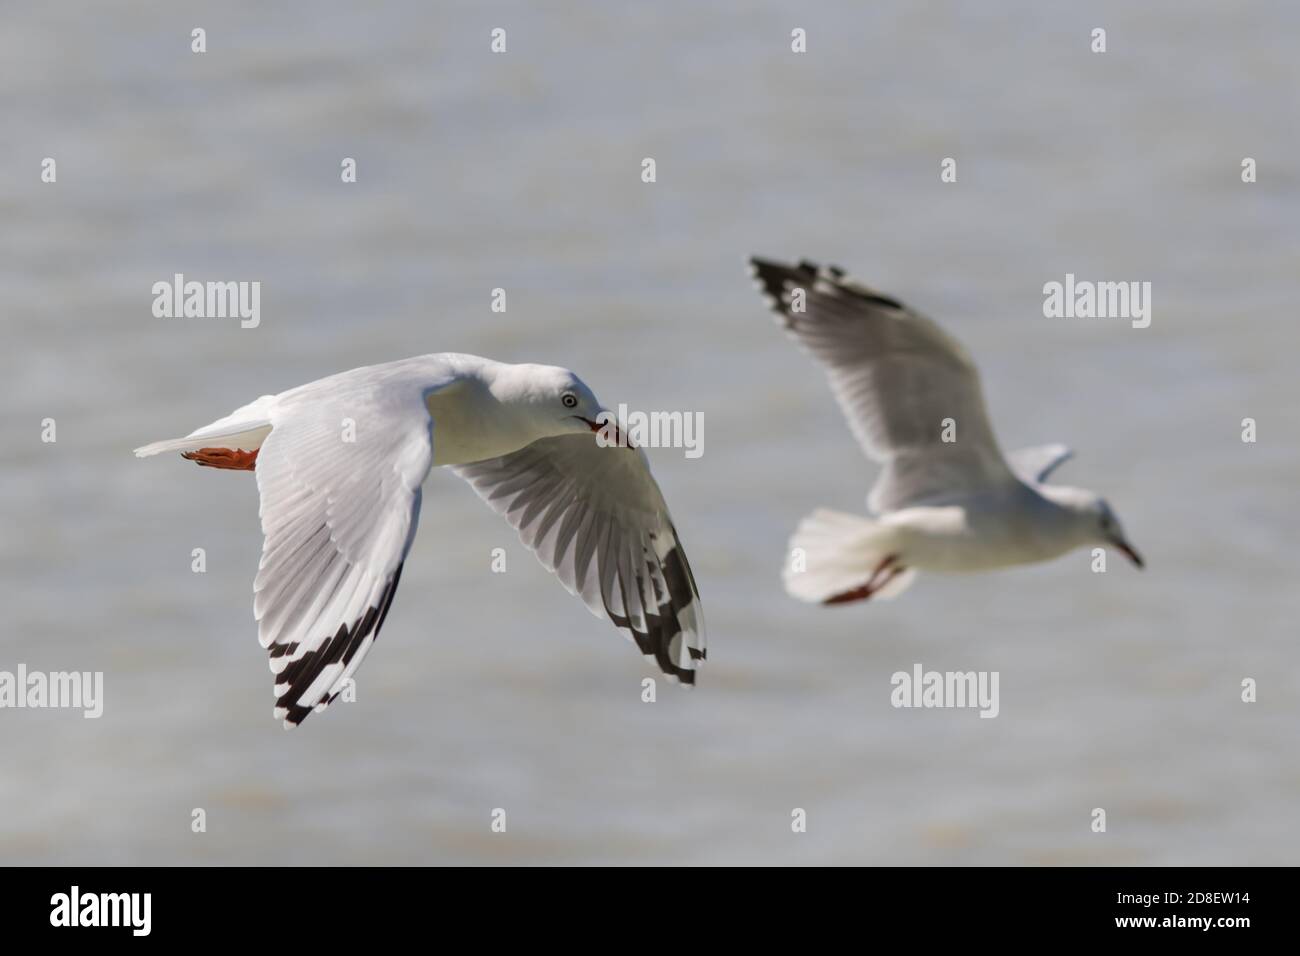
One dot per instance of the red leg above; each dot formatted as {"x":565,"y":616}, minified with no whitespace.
{"x":886,"y":567}
{"x":235,"y":459}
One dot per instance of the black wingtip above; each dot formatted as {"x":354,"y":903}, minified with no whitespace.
{"x":663,"y":626}
{"x":763,"y":265}
{"x":340,"y":648}
{"x":773,"y":279}
{"x":776,"y":278}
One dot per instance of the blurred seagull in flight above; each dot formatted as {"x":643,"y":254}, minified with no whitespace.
{"x":938,"y":505}
{"x":339,"y":465}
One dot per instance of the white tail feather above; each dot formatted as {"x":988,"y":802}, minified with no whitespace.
{"x":832,"y":553}
{"x":245,"y":428}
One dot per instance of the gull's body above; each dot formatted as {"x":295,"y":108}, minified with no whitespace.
{"x":340,"y":463}
{"x":947,"y":499}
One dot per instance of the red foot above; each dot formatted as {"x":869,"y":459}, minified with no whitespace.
{"x":234,"y":459}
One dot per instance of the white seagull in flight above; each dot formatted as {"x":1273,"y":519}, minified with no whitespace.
{"x":339,"y":465}
{"x":942,"y":502}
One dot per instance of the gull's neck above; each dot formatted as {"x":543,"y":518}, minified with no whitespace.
{"x":473,"y":419}
{"x":1063,"y":517}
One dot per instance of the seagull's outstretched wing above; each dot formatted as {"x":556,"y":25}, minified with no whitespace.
{"x":594,"y":515}
{"x":1033,"y":465}
{"x":339,"y":476}
{"x":897,"y":377}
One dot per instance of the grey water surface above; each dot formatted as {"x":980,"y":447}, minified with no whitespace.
{"x":522,"y":171}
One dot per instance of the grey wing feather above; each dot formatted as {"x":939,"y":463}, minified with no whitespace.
{"x":596,"y":518}
{"x":338,"y":517}
{"x":897,"y":377}
{"x":1033,"y":465}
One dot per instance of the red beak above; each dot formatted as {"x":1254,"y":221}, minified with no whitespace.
{"x":1129,"y":553}
{"x":610,"y":428}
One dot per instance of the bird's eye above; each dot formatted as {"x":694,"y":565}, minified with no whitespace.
{"x":569,"y":399}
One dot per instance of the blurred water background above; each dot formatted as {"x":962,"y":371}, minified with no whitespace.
{"x":1118,"y":690}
